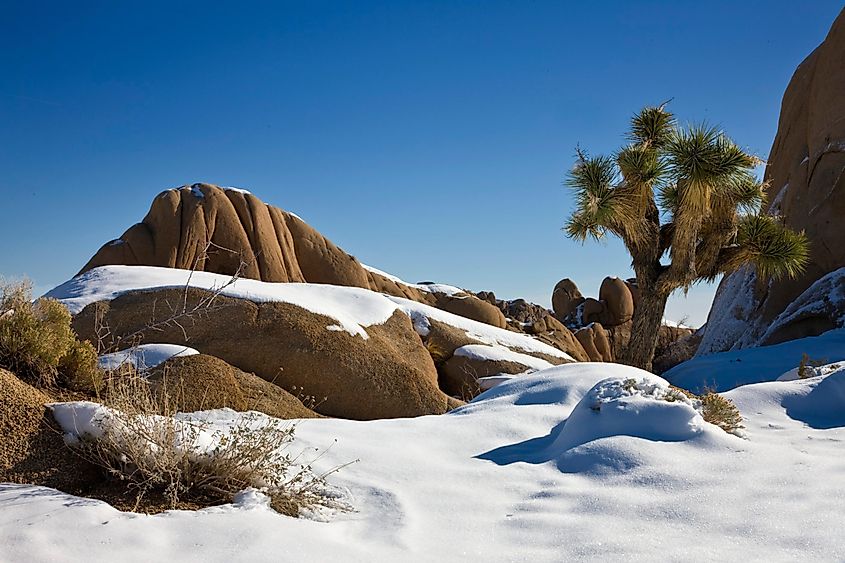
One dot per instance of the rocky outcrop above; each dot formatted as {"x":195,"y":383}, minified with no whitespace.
{"x":224,"y":230}
{"x":594,"y":339}
{"x":603,"y":326}
{"x":473,"y":362}
{"x":806,"y":175}
{"x":388,"y":374}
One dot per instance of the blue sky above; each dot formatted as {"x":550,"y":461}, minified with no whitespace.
{"x":429,"y":139}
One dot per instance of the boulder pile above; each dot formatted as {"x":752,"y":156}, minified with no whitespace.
{"x":603,"y":326}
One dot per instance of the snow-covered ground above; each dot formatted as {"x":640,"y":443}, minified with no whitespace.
{"x":575,"y":462}
{"x":727,"y":370}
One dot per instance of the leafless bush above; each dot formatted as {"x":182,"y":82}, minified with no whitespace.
{"x":143,"y":443}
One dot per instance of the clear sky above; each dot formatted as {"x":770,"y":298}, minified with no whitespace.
{"x":429,"y":139}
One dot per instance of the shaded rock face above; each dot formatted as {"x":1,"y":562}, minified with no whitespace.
{"x":200,"y":382}
{"x":31,"y":451}
{"x":806,"y":172}
{"x":388,"y":375}
{"x":565,"y":298}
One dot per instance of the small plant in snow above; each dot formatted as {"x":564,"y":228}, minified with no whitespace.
{"x":807,"y":366}
{"x":720,"y":411}
{"x":713,"y":407}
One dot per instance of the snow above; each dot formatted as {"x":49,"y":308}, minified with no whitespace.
{"x":233,"y":189}
{"x":353,"y":308}
{"x":726,"y":370}
{"x":728,"y":327}
{"x":422,"y":314}
{"x":674,"y":324}
{"x":777,"y":202}
{"x":584,"y":461}
{"x":811,"y":370}
{"x":498,"y":354}
{"x":391,"y":277}
{"x":825,"y":299}
{"x":144,"y":356}
{"x":428,"y":287}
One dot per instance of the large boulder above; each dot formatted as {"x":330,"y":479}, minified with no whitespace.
{"x":201,"y":382}
{"x":806,"y":173}
{"x":31,"y":449}
{"x":551,"y":331}
{"x":461,"y":373}
{"x":594,"y":339}
{"x":204,"y":227}
{"x":387,"y":374}
{"x":472,"y":308}
{"x":618,"y":301}
{"x":565,"y":298}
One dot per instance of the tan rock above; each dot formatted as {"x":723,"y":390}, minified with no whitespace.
{"x":31,"y":448}
{"x":388,"y":375}
{"x":553,"y":332}
{"x":201,"y":382}
{"x":595,"y":341}
{"x":472,"y":308}
{"x":806,"y":175}
{"x":565,"y":298}
{"x":618,"y":302}
{"x":592,"y":311}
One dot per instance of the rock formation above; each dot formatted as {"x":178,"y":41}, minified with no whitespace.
{"x":224,"y":230}
{"x":388,"y":375}
{"x":603,"y":326}
{"x":806,"y":172}
{"x":200,"y":382}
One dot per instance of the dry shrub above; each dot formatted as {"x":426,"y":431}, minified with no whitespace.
{"x":714,"y":408}
{"x":37,"y":342}
{"x":142,"y":443}
{"x":720,"y":411}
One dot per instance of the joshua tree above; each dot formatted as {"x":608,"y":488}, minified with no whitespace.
{"x":684,"y":195}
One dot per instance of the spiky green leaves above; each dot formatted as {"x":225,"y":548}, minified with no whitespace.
{"x":775,"y":250}
{"x":641,"y":165}
{"x":653,"y":127}
{"x":704,"y":156}
{"x":600,"y":206}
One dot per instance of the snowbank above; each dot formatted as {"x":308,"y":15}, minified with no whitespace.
{"x":353,"y":308}
{"x":529,"y":470}
{"x":727,"y":370}
{"x":144,"y":357}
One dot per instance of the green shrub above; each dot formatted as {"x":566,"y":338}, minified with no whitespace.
{"x":78,"y":368}
{"x":36,"y":340}
{"x":720,"y":411}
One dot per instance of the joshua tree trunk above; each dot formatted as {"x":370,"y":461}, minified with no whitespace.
{"x":648,"y":317}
